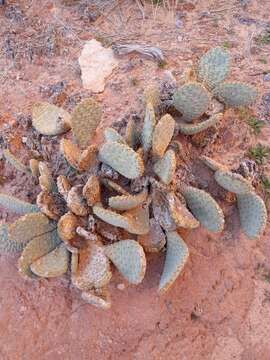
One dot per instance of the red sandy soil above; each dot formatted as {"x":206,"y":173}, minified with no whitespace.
{"x":219,"y":308}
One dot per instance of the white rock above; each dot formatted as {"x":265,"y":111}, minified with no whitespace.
{"x":96,"y":63}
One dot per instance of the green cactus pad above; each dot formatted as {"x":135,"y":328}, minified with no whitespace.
{"x":253,"y":214}
{"x":165,"y":167}
{"x":35,"y":249}
{"x":122,"y":159}
{"x":148,"y":127}
{"x":191,"y":129}
{"x":212,"y":164}
{"x":49,"y":119}
{"x":129,"y":259}
{"x":85,"y":118}
{"x":162,"y":135}
{"x":101,"y":301}
{"x":192,"y":100}
{"x":127,"y":202}
{"x":214,"y":67}
{"x":93,"y":267}
{"x":17,"y":206}
{"x":205,"y":209}
{"x":28,"y":227}
{"x":176,"y":257}
{"x":110,"y":217}
{"x":7,"y":246}
{"x":235,"y":94}
{"x":138,"y":220}
{"x":53,"y":264}
{"x":16,"y":163}
{"x":179,"y":213}
{"x":232,"y":182}
{"x":112,"y":135}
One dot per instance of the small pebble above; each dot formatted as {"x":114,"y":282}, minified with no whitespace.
{"x":24,"y":139}
{"x":121,"y":287}
{"x":267,"y":77}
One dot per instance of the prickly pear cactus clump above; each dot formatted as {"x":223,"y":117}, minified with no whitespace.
{"x":126,"y":199}
{"x":207,"y":83}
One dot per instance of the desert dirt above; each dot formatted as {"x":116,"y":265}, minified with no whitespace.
{"x":219,"y":308}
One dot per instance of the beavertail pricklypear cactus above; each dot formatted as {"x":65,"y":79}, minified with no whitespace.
{"x":213,"y":67}
{"x":194,"y":98}
{"x":125,"y":199}
{"x":252,"y":210}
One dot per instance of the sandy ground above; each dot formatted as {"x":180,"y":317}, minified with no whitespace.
{"x":219,"y":309}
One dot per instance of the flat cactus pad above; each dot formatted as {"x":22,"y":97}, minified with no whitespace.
{"x":46,"y":181}
{"x":114,"y":186}
{"x":35,"y":249}
{"x":148,"y":127}
{"x":122,"y":159}
{"x":129,"y":259}
{"x":28,"y":227}
{"x":91,"y":190}
{"x":152,"y":94}
{"x":93,"y":267}
{"x":127,"y":202}
{"x":110,"y":217}
{"x":16,"y":163}
{"x":101,"y":301}
{"x":131,"y":134}
{"x":205,"y":209}
{"x":165,"y":167}
{"x":235,"y":94}
{"x":176,"y":257}
{"x":71,"y":152}
{"x":253,"y":214}
{"x":49,"y":119}
{"x":53,"y":264}
{"x":192,"y":100}
{"x":214,"y":66}
{"x":17,"y":206}
{"x":162,"y":135}
{"x":67,"y":225}
{"x":155,"y":239}
{"x":162,"y":213}
{"x":180,"y":214}
{"x":112,"y":135}
{"x":191,"y":129}
{"x":7,"y":246}
{"x":85,"y":118}
{"x":212,"y":164}
{"x":87,"y":158}
{"x":34,"y":167}
{"x":232,"y":182}
{"x":76,"y":202}
{"x":138,"y":220}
